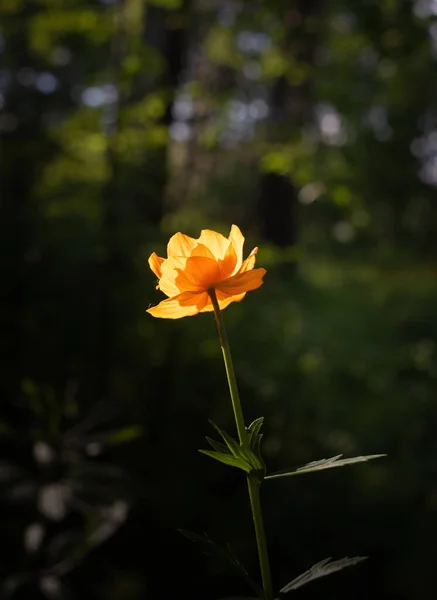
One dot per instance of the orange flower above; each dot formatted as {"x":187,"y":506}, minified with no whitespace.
{"x":195,"y":266}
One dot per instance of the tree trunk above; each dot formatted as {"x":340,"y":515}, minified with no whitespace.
{"x":277,"y":202}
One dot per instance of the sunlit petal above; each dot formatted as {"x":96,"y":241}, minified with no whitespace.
{"x":180,"y":245}
{"x":216,"y":242}
{"x":243,"y":282}
{"x":237,"y":239}
{"x":249,"y":263}
{"x":184,"y":305}
{"x":229,"y":262}
{"x":224,"y":300}
{"x":155,"y":263}
{"x":198,"y":275}
{"x":170,"y":270}
{"x":202,"y":250}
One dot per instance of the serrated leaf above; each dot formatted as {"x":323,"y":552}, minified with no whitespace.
{"x":325,"y":463}
{"x":228,"y":459}
{"x":225,"y":554}
{"x":321,"y":569}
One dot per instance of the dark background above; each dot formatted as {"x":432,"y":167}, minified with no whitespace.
{"x":313,"y":126}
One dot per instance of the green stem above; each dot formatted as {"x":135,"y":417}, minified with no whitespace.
{"x":235,"y":396}
{"x":263,"y":555}
{"x":253,"y":483}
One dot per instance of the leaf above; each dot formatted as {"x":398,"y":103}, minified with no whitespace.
{"x":257,"y":449}
{"x":228,"y":459}
{"x":321,"y":569}
{"x":254,"y":429}
{"x":233,"y":453}
{"x":255,"y":438}
{"x":233,"y":445}
{"x":217,"y":445}
{"x":325,"y":463}
{"x":251,"y":458}
{"x":225,"y":554}
{"x":122,"y":436}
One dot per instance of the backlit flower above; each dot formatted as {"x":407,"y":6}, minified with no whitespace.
{"x":193,"y":267}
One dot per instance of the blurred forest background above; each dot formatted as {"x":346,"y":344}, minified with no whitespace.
{"x":313,"y":126}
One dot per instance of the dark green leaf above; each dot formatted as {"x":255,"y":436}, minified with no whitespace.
{"x":217,"y":445}
{"x":254,"y":429}
{"x":321,"y":569}
{"x":232,"y":444}
{"x":228,"y":459}
{"x":233,"y":453}
{"x":251,"y":458}
{"x":121,"y":436}
{"x":325,"y":463}
{"x":224,"y":554}
{"x":253,"y":455}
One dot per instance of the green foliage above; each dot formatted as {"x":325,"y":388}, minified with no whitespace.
{"x":225,"y":555}
{"x":255,"y":438}
{"x":47,"y":28}
{"x":219,"y":45}
{"x":121,"y":436}
{"x":237,"y":455}
{"x":167,"y":4}
{"x":325,"y":567}
{"x":323,"y":464}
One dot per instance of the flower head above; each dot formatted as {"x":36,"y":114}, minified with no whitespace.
{"x":193,"y":267}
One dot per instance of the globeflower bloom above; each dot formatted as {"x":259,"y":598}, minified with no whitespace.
{"x":193,"y":268}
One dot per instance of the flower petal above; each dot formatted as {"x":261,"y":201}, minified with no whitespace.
{"x":155,"y":263}
{"x":198,"y":274}
{"x":202,"y":250}
{"x":228,"y":265}
{"x":186,"y":304}
{"x":215,"y":242}
{"x":249,"y":263}
{"x":194,"y":266}
{"x":180,"y":245}
{"x":237,"y":239}
{"x":223,"y":299}
{"x":243,"y":282}
{"x":169,"y":272}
